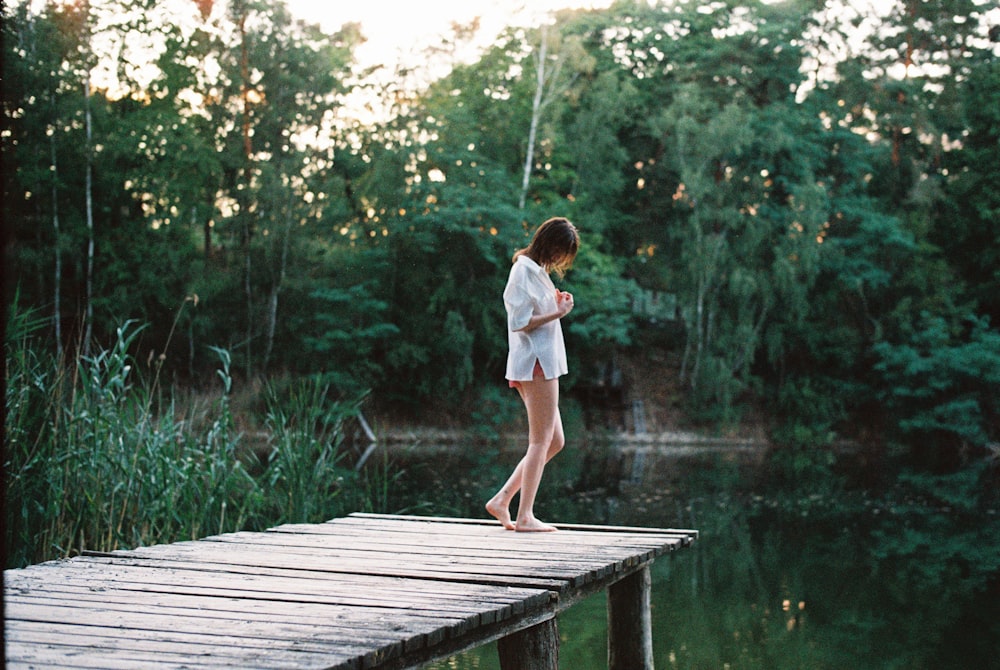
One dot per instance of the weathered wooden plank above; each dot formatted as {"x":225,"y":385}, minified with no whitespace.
{"x":585,"y":543}
{"x":410,"y":630}
{"x":335,"y":623}
{"x":408,"y":615}
{"x":484,"y":564}
{"x":288,"y":583}
{"x":524,"y":573}
{"x":131,"y":642}
{"x":497,"y":552}
{"x":498,"y":560}
{"x":402,"y":614}
{"x":319,"y":558}
{"x":365,"y":591}
{"x":414,"y":606}
{"x":85,"y":645}
{"x":154,"y":578}
{"x":431,"y":544}
{"x":279,"y":632}
{"x":360,"y":525}
{"x":86,"y":576}
{"x":355,"y":654}
{"x":412,"y":538}
{"x":606,"y":557}
{"x":35,"y":657}
{"x":414,"y":631}
{"x":490,"y":522}
{"x":373,"y":587}
{"x":475,"y":526}
{"x":581,"y":534}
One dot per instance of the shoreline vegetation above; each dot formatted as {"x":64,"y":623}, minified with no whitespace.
{"x":101,"y":457}
{"x":431,"y":435}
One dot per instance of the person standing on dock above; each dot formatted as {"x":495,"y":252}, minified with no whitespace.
{"x":535,"y":361}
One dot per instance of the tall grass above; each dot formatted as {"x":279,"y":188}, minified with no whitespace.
{"x":96,"y":459}
{"x":305,"y":476}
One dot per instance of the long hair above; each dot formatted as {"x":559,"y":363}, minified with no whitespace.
{"x":553,"y":246}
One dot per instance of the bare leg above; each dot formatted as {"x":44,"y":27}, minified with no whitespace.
{"x":499,"y":505}
{"x":545,"y":440}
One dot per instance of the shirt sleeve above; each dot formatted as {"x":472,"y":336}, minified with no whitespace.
{"x":518,"y":302}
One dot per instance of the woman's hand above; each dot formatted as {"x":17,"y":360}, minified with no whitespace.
{"x":564,"y":302}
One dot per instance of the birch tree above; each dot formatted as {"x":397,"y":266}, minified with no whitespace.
{"x":558,"y":63}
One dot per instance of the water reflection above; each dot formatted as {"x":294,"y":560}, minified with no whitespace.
{"x":826,"y":579}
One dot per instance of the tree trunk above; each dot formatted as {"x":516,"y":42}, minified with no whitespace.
{"x":536,"y":112}
{"x":272,"y":321}
{"x":206,"y":231}
{"x":245,"y":204}
{"x":272,"y":316}
{"x":704,"y":308}
{"x":699,"y":330}
{"x":88,"y":330}
{"x":248,"y":293}
{"x":57,"y":243}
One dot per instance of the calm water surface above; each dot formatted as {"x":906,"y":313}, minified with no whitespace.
{"x":830,"y":577}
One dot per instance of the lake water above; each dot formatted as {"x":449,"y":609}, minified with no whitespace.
{"x":826,"y":576}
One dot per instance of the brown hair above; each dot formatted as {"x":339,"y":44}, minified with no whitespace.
{"x":554,"y":245}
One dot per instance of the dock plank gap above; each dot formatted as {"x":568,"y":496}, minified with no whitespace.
{"x":365,"y":591}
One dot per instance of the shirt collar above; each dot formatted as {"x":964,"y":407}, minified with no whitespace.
{"x":531,"y":263}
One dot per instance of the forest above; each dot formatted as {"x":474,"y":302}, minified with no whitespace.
{"x":790,"y":211}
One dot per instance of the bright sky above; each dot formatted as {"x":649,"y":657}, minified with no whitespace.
{"x":396,"y":29}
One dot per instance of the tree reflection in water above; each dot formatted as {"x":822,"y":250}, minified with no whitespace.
{"x":828,"y":578}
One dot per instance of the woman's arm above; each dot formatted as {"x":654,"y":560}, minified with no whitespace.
{"x":564,"y":305}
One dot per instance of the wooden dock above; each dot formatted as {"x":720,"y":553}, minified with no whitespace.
{"x":363,"y":591}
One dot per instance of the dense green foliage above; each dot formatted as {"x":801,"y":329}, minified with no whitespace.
{"x":812,"y":188}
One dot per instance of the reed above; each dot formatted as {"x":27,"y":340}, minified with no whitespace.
{"x":306,"y":477}
{"x":96,"y":459}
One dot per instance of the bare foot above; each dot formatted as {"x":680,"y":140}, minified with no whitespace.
{"x":500,"y":513}
{"x":533,"y":525}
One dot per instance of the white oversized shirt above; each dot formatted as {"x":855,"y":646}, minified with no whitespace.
{"x":530,"y":291}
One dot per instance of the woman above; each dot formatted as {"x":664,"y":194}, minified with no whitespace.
{"x":536,"y":360}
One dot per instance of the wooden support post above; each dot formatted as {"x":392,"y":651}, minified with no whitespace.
{"x":534,"y":648}
{"x":630,"y":628}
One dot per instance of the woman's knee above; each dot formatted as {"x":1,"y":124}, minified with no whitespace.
{"x":557,"y":444}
